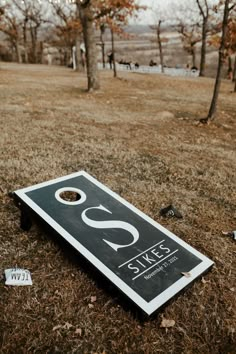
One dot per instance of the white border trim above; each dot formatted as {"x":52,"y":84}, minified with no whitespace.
{"x":148,"y":307}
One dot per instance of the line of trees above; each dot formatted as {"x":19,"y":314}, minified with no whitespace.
{"x":71,"y":22}
{"x":112,"y":14}
{"x":65,"y":24}
{"x":205,"y":22}
{"x":21,"y":22}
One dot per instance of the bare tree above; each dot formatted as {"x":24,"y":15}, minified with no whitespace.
{"x":36,"y":19}
{"x":185,"y":19}
{"x":190,"y":37}
{"x":68,"y":30}
{"x":115,"y":14}
{"x":78,"y":43}
{"x":231,"y":44}
{"x":204,"y":11}
{"x":160,"y":14}
{"x":11,"y":26}
{"x":33,"y":15}
{"x":87,"y":19}
{"x":228,"y":7}
{"x":113,"y":52}
{"x":102,"y":31}
{"x":157,"y":29}
{"x":160,"y":44}
{"x":23,"y":8}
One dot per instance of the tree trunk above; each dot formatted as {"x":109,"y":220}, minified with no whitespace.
{"x":25,"y":41}
{"x":74,"y":57}
{"x":78,"y":52}
{"x":234,"y":74}
{"x":212,"y":110}
{"x":204,"y":12}
{"x":113,"y":53}
{"x":229,"y":63}
{"x":203,"y":48}
{"x":230,"y":69}
{"x":193,"y":52}
{"x":86,"y":16}
{"x":18,"y":53}
{"x":103,"y":56}
{"x":234,"y":71}
{"x":41,"y":52}
{"x":102,"y":31}
{"x":33,"y":32}
{"x":160,"y":46}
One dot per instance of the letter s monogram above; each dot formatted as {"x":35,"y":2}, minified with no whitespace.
{"x":110,"y":224}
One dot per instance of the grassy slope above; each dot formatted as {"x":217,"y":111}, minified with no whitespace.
{"x":121,"y":135}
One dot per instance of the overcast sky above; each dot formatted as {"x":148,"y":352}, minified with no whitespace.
{"x":146,"y":17}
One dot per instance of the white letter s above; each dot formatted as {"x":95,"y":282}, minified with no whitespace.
{"x":111,"y":224}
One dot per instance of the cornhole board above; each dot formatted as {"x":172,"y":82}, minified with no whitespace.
{"x":140,"y":257}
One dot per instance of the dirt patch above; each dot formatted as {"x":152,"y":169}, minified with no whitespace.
{"x":137,"y":135}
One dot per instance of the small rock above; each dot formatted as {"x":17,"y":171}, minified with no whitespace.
{"x":165,"y":115}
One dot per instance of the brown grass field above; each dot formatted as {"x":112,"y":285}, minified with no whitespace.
{"x":139,"y":136}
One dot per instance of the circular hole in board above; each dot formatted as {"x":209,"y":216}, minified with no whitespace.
{"x":70,"y":196}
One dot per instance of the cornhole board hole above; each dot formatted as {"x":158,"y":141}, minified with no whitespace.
{"x":140,"y":257}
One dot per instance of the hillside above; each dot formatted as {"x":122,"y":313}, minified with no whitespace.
{"x":140,"y":136}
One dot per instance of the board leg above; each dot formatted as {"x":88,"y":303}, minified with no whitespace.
{"x":25,"y":221}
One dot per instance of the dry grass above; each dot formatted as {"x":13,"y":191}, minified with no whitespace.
{"x":138,"y":135}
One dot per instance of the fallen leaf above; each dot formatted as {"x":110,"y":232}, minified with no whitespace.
{"x":78,"y":331}
{"x":90,"y":306}
{"x":205,"y":281}
{"x":67,"y":325}
{"x":56,"y":327}
{"x":167,"y":323}
{"x":93,"y":298}
{"x":186,"y":274}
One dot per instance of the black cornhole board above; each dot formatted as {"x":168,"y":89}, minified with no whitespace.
{"x":139,"y":256}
